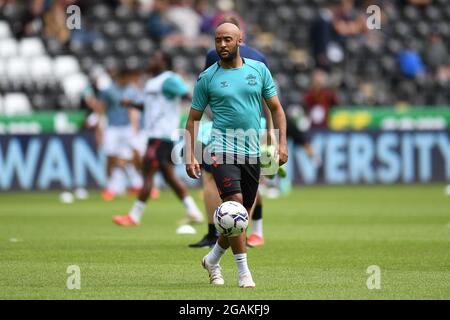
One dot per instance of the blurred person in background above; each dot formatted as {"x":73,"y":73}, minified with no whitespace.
{"x":99,"y":80}
{"x":160,"y":27}
{"x":410,"y":61}
{"x":55,"y":22}
{"x":121,"y":129}
{"x":223,"y":9}
{"x":321,"y":34}
{"x":348,"y":21}
{"x":319,"y":99}
{"x":176,"y":24}
{"x":437,"y":57}
{"x":182,"y":15}
{"x":336,"y":21}
{"x":161,"y":115}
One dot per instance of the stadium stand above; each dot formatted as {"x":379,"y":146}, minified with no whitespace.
{"x":363,"y":67}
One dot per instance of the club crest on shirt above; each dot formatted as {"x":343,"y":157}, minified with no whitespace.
{"x":223,"y":84}
{"x":251,"y":79}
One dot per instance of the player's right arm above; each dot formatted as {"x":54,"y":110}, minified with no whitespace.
{"x":192,"y":165}
{"x":96,"y":105}
{"x":199,"y":102}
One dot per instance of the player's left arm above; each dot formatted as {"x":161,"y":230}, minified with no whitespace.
{"x":269,"y":123}
{"x":133,"y":115}
{"x":269,"y":94}
{"x":279,"y":122}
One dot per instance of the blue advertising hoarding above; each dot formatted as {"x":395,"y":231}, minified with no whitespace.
{"x":41,"y":162}
{"x":374,"y":157}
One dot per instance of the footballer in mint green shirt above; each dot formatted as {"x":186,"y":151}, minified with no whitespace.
{"x":234,"y":96}
{"x":233,"y":88}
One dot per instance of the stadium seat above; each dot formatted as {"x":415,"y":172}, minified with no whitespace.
{"x":111,"y":62}
{"x":8,"y":47}
{"x":41,"y":71}
{"x":3,"y":79}
{"x":87,"y":63}
{"x":145,"y":46}
{"x":394,"y":46}
{"x":64,"y":66}
{"x":389,"y":64}
{"x":63,"y":102}
{"x":305,"y":13}
{"x":101,"y":12}
{"x":124,"y":13}
{"x":30,"y":47}
{"x":282,"y":80}
{"x":133,"y":62}
{"x":302,"y":81}
{"x":79,"y":48}
{"x":101,"y":47}
{"x":286,"y":14}
{"x":444,"y":28}
{"x":55,"y":48}
{"x":16,"y":103}
{"x":423,"y":29}
{"x":73,"y":85}
{"x":42,"y":102}
{"x":411,"y":13}
{"x":447,"y":11}
{"x":113,"y":29}
{"x":432,"y":13}
{"x":17,"y":71}
{"x":125,"y":47}
{"x":136,"y":30}
{"x":5,"y":30}
{"x":403,"y":29}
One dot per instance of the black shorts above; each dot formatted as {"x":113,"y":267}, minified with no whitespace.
{"x":204,"y":165}
{"x":237,"y":178}
{"x":158,"y":153}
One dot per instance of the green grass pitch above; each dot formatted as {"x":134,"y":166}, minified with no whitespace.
{"x":319,"y":243}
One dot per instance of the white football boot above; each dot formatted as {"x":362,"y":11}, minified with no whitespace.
{"x":246,"y":281}
{"x":215,"y":276}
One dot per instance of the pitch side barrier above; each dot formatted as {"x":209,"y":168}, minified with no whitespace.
{"x":50,"y":161}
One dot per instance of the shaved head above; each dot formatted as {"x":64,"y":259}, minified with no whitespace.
{"x":228,"y":28}
{"x":228,"y":38}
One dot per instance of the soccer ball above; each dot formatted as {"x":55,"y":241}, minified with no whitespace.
{"x":231,"y":218}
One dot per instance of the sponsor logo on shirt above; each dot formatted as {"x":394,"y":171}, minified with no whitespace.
{"x":251,"y":80}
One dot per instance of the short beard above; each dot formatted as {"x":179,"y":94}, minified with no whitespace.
{"x":231,"y":56}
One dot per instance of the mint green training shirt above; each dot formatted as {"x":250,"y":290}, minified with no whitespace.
{"x":235,"y":99}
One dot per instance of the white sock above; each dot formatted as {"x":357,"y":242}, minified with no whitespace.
{"x":191,"y":207}
{"x":241,"y":263}
{"x":257,"y":227}
{"x":137,"y":211}
{"x":213,"y":257}
{"x":134,"y":176}
{"x":116,"y":183}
